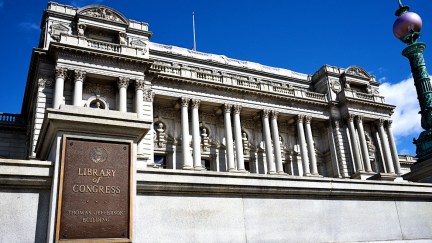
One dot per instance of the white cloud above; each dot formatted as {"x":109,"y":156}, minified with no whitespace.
{"x":28,"y":26}
{"x":406,"y":120}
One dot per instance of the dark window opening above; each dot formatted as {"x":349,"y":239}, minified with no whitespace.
{"x":205,"y":163}
{"x":160,"y":161}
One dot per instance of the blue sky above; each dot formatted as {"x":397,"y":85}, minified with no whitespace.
{"x":297,"y":35}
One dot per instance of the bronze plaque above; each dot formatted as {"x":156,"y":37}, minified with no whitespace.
{"x":94,"y":200}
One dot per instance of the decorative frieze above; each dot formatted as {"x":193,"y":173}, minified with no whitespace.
{"x":45,"y":80}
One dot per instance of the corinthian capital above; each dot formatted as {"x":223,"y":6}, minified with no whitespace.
{"x":139,"y":84}
{"x":123,"y":82}
{"x":185,"y":102}
{"x":237,"y":109}
{"x":60,"y":72}
{"x":266,"y":113}
{"x":308,"y":119}
{"x":300,"y":118}
{"x":227,"y":108}
{"x":359,"y":119}
{"x":350,"y":118}
{"x":195,"y":103}
{"x":389,"y":123}
{"x":275,"y":114}
{"x":380,"y":122}
{"x":79,"y":75}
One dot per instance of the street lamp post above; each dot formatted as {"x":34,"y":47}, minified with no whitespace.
{"x":407,"y":29}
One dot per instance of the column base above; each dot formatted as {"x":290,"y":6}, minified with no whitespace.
{"x":362,"y":175}
{"x":188,"y":167}
{"x":384,"y":177}
{"x":272,"y":173}
{"x":199,"y":168}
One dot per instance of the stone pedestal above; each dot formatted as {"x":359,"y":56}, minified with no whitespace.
{"x":363,"y":175}
{"x":420,"y":172}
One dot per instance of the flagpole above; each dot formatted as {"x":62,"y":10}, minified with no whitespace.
{"x":193,"y":26}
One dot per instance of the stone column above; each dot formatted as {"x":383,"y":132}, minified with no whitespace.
{"x":268,"y":143}
{"x":78,"y":89}
{"x":363,"y":144}
{"x":59,"y":87}
{"x":311,"y":146}
{"x":238,"y":139}
{"x":196,"y":137}
{"x":139,"y":96}
{"x":385,"y":147}
{"x":303,"y":148}
{"x":187,"y":164}
{"x":393,"y":148}
{"x":354,"y":144}
{"x":276,"y":142}
{"x":123,"y":84}
{"x":229,"y":138}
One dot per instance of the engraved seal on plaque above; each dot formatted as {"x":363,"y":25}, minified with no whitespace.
{"x":98,"y":155}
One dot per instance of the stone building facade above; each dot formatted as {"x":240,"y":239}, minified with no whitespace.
{"x":215,"y":131}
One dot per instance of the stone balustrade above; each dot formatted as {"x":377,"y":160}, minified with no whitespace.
{"x":101,"y":45}
{"x":229,"y":80}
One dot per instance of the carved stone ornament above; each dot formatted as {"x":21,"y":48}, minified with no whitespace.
{"x":350,"y":118}
{"x":139,"y":43}
{"x":56,"y":29}
{"x":357,"y":71}
{"x":122,"y":38}
{"x":308,"y":119}
{"x":237,"y":109}
{"x":148,"y":95}
{"x":60,"y":72}
{"x":266,"y":113}
{"x":227,"y":108}
{"x":359,"y":119}
{"x":380,"y":122}
{"x":185,"y":102}
{"x":195,"y":103}
{"x":103,"y":13}
{"x":79,"y":75}
{"x":139,"y":84}
{"x":45,"y":80}
{"x":275,"y":114}
{"x":336,"y":86}
{"x":81,"y":29}
{"x":98,"y":89}
{"x":123,"y":82}
{"x":389,"y":123}
{"x":336,"y":124}
{"x":300,"y":118}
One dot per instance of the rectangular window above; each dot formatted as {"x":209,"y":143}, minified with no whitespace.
{"x":160,"y":161}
